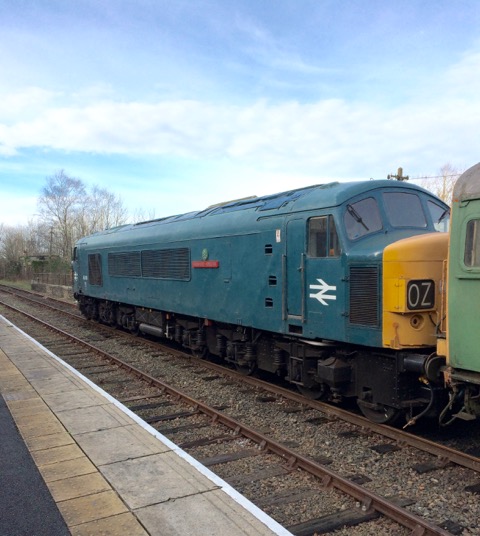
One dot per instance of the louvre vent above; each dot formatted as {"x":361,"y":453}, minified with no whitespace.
{"x":364,"y":295}
{"x":166,"y":263}
{"x":95,"y":269}
{"x":124,"y":264}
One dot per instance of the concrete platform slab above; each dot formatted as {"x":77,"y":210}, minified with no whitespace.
{"x":119,"y":444}
{"x":176,"y":477}
{"x":80,"y":398}
{"x":169,"y":519}
{"x":92,"y":419}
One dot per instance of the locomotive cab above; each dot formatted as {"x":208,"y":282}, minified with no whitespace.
{"x":369,"y":298}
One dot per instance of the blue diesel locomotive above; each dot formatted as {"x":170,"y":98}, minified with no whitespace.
{"x":319,"y":285}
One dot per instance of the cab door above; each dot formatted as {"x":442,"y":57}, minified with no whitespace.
{"x":325,"y":280}
{"x":315,"y":293}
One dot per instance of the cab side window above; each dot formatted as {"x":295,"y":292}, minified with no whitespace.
{"x":404,"y":210}
{"x":362,"y":218}
{"x":322,"y":237}
{"x":472,"y":245}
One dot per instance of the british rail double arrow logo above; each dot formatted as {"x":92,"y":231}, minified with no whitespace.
{"x":323,"y":288}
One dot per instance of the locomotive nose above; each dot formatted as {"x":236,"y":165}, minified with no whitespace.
{"x":413,"y":274}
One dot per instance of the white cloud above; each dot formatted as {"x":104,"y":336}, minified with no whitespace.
{"x":17,"y":209}
{"x":334,"y":135}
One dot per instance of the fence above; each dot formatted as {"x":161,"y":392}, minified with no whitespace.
{"x":53,"y":279}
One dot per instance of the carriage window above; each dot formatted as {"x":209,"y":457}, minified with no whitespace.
{"x":440,"y":216}
{"x":323,"y":237}
{"x":472,"y":244}
{"x":362,"y":218}
{"x":404,"y":210}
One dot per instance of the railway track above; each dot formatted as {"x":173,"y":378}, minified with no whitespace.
{"x":313,"y":475}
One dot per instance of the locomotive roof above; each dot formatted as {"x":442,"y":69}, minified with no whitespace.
{"x":468,"y":184}
{"x":301,"y":199}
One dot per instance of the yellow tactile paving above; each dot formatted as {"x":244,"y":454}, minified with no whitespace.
{"x":78,"y":486}
{"x":31,"y":426}
{"x":57,"y":454}
{"x":11,"y":381}
{"x":48,"y":441}
{"x":67,"y":469}
{"x":29,"y":406}
{"x":91,"y":507}
{"x":121,"y":525}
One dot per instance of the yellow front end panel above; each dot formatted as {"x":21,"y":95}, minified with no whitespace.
{"x":412,"y":290}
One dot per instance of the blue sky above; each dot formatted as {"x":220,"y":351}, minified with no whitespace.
{"x":174,"y":105}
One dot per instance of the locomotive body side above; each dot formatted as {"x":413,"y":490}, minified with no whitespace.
{"x":291,"y":284}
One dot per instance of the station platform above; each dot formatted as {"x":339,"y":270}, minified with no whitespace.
{"x":73,"y":460}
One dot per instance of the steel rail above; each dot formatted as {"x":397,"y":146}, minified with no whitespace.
{"x":370,"y":500}
{"x":443,"y":453}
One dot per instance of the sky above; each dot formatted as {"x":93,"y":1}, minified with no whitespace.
{"x":175,"y":105}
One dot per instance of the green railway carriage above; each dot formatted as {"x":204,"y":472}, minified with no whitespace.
{"x":462,"y":343}
{"x":287,"y":283}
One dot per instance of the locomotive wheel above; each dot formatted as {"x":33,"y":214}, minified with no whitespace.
{"x":313,"y":393}
{"x":382,"y":415}
{"x":135,"y":331}
{"x":246,"y":370}
{"x":201,"y":353}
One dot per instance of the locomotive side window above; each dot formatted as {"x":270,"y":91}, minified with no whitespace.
{"x":440,"y":216}
{"x":404,"y":210}
{"x":362,"y":218}
{"x":322,"y":237}
{"x":472,"y":244}
{"x":95,"y":269}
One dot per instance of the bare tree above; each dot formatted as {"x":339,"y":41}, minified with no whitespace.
{"x":105,"y":210}
{"x":62,"y":199}
{"x":443,"y":183}
{"x":68,"y":212}
{"x":143,"y":215}
{"x":13,"y":250}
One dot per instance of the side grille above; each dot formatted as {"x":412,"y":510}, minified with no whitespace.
{"x":166,"y":263}
{"x":95,"y":269}
{"x":124,"y":264}
{"x":364,"y":295}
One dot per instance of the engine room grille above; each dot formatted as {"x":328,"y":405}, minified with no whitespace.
{"x":364,"y":295}
{"x":166,"y":263}
{"x":124,"y":264}
{"x":95,"y":269}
